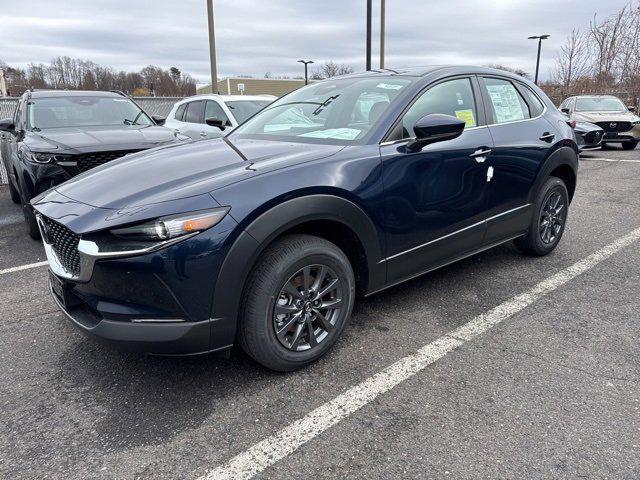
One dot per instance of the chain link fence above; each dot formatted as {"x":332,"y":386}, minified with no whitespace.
{"x":152,"y":105}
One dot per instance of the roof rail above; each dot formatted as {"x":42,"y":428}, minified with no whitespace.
{"x":119,"y":93}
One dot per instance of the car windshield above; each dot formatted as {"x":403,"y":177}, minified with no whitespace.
{"x":61,"y":112}
{"x":333,"y":111}
{"x":599,"y":104}
{"x":244,"y":109}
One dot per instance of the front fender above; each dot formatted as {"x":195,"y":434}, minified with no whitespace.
{"x":251,"y":242}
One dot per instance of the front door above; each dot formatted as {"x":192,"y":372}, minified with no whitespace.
{"x":436,"y":199}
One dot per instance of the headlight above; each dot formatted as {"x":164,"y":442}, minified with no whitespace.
{"x":47,"y":158}
{"x":174,"y":226}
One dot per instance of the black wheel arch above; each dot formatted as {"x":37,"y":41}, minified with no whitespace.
{"x":562,"y":163}
{"x":292,"y":216}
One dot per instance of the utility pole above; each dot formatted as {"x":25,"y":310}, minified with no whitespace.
{"x":212,"y":49}
{"x":369,"y":8}
{"x":306,"y":73}
{"x":382,"y":32}
{"x":540,"y":38}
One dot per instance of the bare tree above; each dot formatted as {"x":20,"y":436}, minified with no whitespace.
{"x":331,"y":69}
{"x":574,"y":59}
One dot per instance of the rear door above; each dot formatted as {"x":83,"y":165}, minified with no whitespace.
{"x":522,"y":138}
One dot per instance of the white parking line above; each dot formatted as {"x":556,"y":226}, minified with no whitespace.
{"x":614,"y":160}
{"x":23,"y":267}
{"x":276,"y":447}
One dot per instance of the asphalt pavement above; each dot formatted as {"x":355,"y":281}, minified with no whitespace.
{"x":549,"y":391}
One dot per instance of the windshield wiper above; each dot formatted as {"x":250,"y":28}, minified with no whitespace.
{"x":324,"y":104}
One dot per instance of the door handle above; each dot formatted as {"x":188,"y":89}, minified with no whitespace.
{"x":547,"y":137}
{"x":203,"y":134}
{"x":481,"y":154}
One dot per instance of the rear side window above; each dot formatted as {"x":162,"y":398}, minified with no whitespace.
{"x":536,"y":107}
{"x":508,"y":105}
{"x":453,"y":97}
{"x":180,"y":112}
{"x":195,"y":112}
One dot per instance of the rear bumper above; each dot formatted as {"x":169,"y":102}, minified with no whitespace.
{"x":161,"y":337}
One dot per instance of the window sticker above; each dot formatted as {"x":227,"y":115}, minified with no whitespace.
{"x":390,"y":86}
{"x":467,"y":116}
{"x":336,"y":133}
{"x":505,"y":103}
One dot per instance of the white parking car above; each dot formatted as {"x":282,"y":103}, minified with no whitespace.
{"x":211,"y":116}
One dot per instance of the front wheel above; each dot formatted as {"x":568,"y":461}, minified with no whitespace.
{"x":549,"y":219}
{"x":298,"y":300}
{"x":630,"y":145}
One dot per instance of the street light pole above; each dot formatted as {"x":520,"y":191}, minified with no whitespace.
{"x":540,"y":38}
{"x":212,"y":49}
{"x":369,"y":8}
{"x":382,"y":32}
{"x":306,"y":73}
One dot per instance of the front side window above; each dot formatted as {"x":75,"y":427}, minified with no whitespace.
{"x":338,"y":111}
{"x":214,"y":110}
{"x":61,"y":112}
{"x":244,"y":109}
{"x":600,"y":104}
{"x":508,"y":105}
{"x":453,"y":97}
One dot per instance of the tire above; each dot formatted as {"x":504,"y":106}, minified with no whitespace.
{"x":30,"y":219}
{"x":281,"y":268}
{"x":15,"y":194}
{"x":542,"y":238}
{"x":630,"y":145}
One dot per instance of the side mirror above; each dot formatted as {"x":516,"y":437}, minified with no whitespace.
{"x":565,"y":111}
{"x":435,"y":128}
{"x":631,"y":108}
{"x":6,"y":125}
{"x":159,"y":119}
{"x":216,"y":122}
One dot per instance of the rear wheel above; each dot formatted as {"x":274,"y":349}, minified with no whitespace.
{"x":630,"y":145}
{"x":549,"y":219}
{"x":297,"y":301}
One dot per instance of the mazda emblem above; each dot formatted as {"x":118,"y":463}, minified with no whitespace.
{"x":613,"y":125}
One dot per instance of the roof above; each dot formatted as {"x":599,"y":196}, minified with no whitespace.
{"x":230,"y":98}
{"x":72,"y":93}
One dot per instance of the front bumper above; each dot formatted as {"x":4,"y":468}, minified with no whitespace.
{"x":157,"y":301}
{"x":156,"y":338}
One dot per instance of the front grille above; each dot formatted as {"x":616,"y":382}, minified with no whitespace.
{"x":64,"y":243}
{"x":593,"y":137}
{"x":615,"y":127}
{"x":87,"y":161}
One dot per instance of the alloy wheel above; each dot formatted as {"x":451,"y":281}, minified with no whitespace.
{"x":552,"y":218}
{"x":307,"y":308}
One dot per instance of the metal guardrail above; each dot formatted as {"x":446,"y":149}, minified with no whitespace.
{"x":151,"y":105}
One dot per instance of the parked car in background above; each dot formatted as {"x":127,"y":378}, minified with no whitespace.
{"x":55,"y":135}
{"x":211,"y":116}
{"x":264,"y":237}
{"x":620,"y":124}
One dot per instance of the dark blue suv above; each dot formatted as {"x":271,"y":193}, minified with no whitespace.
{"x":344,"y":187}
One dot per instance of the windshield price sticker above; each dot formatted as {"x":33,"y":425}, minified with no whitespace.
{"x":389,"y":86}
{"x":336,"y":133}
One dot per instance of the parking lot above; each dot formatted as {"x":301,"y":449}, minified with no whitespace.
{"x":543,"y":386}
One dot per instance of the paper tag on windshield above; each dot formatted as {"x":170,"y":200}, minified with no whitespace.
{"x":336,"y":133}
{"x":389,"y":86}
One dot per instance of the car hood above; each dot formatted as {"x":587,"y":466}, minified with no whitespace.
{"x":186,"y":170}
{"x":98,"y":139}
{"x":595,"y":117}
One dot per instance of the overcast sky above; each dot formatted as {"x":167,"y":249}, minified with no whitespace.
{"x":258,"y":36}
